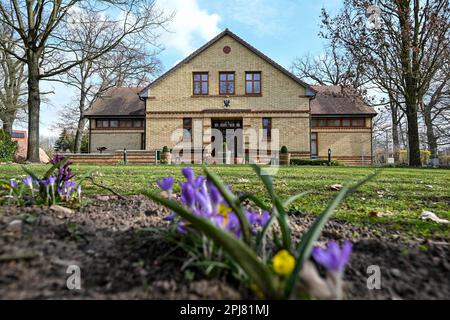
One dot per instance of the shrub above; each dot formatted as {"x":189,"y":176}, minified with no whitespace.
{"x":424,"y":156}
{"x":284,"y":150}
{"x":8,"y":147}
{"x":240,"y":232}
{"x":311,"y":162}
{"x":165,"y":149}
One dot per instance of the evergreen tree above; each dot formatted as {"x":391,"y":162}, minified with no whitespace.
{"x":64,"y":142}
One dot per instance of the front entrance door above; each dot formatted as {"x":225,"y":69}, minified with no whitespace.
{"x":232,"y":139}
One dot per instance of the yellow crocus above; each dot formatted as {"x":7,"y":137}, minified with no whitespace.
{"x":283,"y":263}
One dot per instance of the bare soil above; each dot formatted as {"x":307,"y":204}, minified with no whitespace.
{"x":123,"y":253}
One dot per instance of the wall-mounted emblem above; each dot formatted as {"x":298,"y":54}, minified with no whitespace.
{"x":226,"y":103}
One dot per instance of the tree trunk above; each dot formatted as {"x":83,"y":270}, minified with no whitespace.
{"x":431,"y":137}
{"x":34,"y":104}
{"x":81,"y":120}
{"x":395,"y":132}
{"x":7,"y":126}
{"x":396,"y":142}
{"x":79,"y":133}
{"x":413,"y":136}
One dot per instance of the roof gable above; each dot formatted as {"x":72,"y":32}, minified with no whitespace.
{"x":309,"y":90}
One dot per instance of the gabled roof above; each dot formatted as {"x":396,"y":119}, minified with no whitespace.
{"x":309,"y":90}
{"x":117,"y":102}
{"x":338,"y":100}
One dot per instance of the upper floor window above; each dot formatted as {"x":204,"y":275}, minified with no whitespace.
{"x":253,"y":83}
{"x":138,"y":123}
{"x":125,"y":123}
{"x":187,"y":129}
{"x":267,"y":128}
{"x":201,"y":83}
{"x":120,"y":123}
{"x":338,"y":122}
{"x":226,"y":83}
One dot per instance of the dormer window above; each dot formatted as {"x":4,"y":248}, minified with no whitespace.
{"x":253,"y":83}
{"x":201,"y":83}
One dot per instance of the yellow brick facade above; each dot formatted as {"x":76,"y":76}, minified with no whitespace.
{"x":115,"y":139}
{"x":285,"y":101}
{"x":352,"y":146}
{"x":282,"y":99}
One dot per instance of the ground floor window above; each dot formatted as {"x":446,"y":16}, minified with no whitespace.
{"x":187,"y":129}
{"x":314,"y":145}
{"x":267,"y":128}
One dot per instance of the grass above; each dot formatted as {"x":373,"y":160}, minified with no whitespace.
{"x":398,"y":194}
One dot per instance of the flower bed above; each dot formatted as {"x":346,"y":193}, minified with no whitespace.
{"x":225,"y":232}
{"x":127,"y":251}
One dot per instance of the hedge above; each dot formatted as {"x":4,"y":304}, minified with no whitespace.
{"x":8,"y":147}
{"x":310,"y":162}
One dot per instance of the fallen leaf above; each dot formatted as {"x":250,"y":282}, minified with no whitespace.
{"x":428,"y":215}
{"x":336,"y":187}
{"x":373,"y":214}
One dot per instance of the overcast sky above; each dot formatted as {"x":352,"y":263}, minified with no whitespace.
{"x":282,"y":29}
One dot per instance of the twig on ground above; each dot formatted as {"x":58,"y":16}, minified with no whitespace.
{"x":21,"y":256}
{"x":106,"y":188}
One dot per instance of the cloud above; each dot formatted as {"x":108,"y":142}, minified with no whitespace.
{"x":190,"y":27}
{"x":259,"y":14}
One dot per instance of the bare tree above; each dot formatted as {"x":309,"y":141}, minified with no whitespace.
{"x":402,"y":47}
{"x":130,"y":63}
{"x":331,"y":68}
{"x":13,"y":79}
{"x":39,"y":32}
{"x":435,"y":110}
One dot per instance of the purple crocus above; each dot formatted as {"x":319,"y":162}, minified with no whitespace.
{"x":258,"y":219}
{"x":28,"y":181}
{"x":13,"y":183}
{"x":44,"y":182}
{"x":188,"y":173}
{"x":215,"y":195}
{"x":202,"y":198}
{"x":64,"y":172}
{"x":166,"y":184}
{"x":171,"y":217}
{"x":69,"y":185}
{"x":187,"y":194}
{"x":333,"y":258}
{"x":181,"y":228}
{"x":51,"y":180}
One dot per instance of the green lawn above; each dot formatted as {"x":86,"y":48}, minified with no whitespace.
{"x":400,"y":195}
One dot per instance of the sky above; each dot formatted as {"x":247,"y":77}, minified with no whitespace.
{"x":282,"y":29}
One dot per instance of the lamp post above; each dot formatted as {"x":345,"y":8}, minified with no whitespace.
{"x":125,"y":156}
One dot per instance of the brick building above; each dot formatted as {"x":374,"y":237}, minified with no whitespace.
{"x":229,"y":86}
